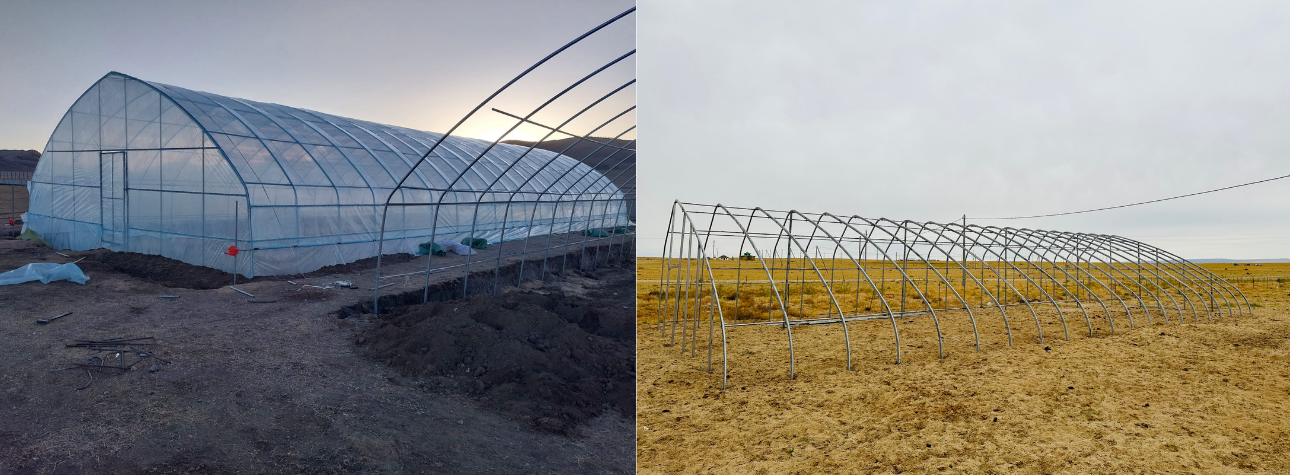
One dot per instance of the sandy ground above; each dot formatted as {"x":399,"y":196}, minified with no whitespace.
{"x":1159,"y":398}
{"x":245,"y":387}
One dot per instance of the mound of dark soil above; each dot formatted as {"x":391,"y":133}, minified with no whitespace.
{"x":557,"y":358}
{"x":356,"y":266}
{"x":161,"y":270}
{"x":176,"y":274}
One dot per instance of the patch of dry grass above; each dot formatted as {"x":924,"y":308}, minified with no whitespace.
{"x":1161,"y":397}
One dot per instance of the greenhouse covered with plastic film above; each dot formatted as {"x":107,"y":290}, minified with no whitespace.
{"x":151,"y":168}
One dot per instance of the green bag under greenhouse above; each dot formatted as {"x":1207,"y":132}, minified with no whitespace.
{"x":30,"y":235}
{"x":595,"y":233}
{"x":428,"y":247}
{"x":621,"y":230}
{"x":477,"y":243}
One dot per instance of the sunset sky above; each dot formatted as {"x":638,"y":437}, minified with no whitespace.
{"x":416,"y":64}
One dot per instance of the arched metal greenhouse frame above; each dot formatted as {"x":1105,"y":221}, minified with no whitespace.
{"x":979,"y":272}
{"x":598,"y":206}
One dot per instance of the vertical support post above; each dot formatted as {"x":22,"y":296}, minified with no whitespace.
{"x":1003,"y":262}
{"x":684,"y":311}
{"x":1156,"y":271}
{"x":833,"y":268}
{"x":864,"y":253}
{"x":1211,"y":293}
{"x":698,"y":294}
{"x":237,"y":207}
{"x":882,"y":279}
{"x":546,"y":253}
{"x":1138,"y":251}
{"x":788,"y":275}
{"x":774,"y":254}
{"x":665,"y":279}
{"x":680,"y":301}
{"x":997,"y":274}
{"x":1079,"y":293}
{"x":904,"y":267}
{"x":1110,"y":263}
{"x":945,"y":289}
{"x":712,"y":309}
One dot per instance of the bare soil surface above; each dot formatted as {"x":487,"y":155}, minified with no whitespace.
{"x":557,"y":356}
{"x":271,"y":384}
{"x":1153,"y":396}
{"x":156,"y":269}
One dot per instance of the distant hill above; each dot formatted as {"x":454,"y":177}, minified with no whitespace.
{"x":594,"y":154}
{"x":18,"y":160}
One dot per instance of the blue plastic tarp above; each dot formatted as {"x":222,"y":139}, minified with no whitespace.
{"x":45,"y":272}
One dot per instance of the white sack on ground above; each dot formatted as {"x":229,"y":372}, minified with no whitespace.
{"x":45,"y":272}
{"x":454,"y":246}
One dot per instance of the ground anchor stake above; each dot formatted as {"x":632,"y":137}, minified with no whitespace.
{"x":47,"y":320}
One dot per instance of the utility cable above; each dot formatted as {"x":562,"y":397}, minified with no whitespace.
{"x":1142,"y":202}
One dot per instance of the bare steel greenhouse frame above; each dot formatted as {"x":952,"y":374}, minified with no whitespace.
{"x":871,"y":271}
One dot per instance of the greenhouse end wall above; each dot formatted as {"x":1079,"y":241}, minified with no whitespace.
{"x":157,"y":169}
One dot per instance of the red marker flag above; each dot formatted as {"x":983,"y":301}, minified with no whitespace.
{"x":232,"y":251}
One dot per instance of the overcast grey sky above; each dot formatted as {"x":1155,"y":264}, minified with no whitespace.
{"x":419,"y":64}
{"x":932,"y":110}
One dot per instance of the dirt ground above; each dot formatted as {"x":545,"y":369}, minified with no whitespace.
{"x":1158,"y":398}
{"x":271,"y":384}
{"x":558,"y":357}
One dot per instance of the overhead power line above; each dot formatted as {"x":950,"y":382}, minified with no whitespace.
{"x":1142,"y":202}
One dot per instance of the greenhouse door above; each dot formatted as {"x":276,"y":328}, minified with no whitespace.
{"x":112,"y":194}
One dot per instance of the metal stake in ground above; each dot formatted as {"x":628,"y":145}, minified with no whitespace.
{"x":47,"y":320}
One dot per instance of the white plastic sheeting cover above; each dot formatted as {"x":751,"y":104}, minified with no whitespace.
{"x":45,"y":272}
{"x":456,"y":247}
{"x":157,"y":169}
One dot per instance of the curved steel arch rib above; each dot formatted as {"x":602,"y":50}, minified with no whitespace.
{"x":1003,"y":258}
{"x":827,"y":287}
{"x":1227,"y":286}
{"x":788,"y":327}
{"x":499,"y":176}
{"x":1067,"y":270}
{"x":962,"y":265}
{"x":1109,"y":319}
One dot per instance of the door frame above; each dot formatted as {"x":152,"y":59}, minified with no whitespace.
{"x":124,"y":199}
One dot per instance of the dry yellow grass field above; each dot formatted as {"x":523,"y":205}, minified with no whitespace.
{"x":1159,"y":398}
